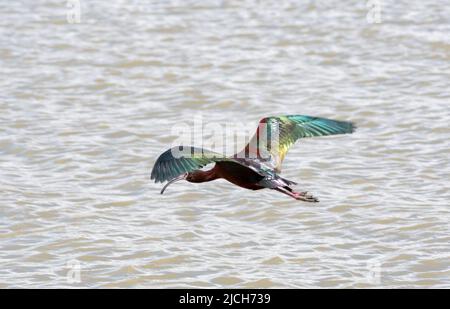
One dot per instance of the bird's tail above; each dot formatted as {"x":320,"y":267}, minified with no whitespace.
{"x":288,"y":182}
{"x":276,"y":182}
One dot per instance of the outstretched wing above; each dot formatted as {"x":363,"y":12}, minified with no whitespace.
{"x":275,"y":135}
{"x":183,"y":159}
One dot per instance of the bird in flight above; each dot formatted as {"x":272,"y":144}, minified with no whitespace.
{"x":258,"y":165}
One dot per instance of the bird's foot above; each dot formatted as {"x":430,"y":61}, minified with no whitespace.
{"x":304,"y":196}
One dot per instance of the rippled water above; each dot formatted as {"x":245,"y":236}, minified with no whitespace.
{"x":86,"y":108}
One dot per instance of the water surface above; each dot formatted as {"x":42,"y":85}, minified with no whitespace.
{"x":86,"y":108}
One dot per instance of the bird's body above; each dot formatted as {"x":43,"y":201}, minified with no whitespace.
{"x":238,"y":174}
{"x":258,"y":165}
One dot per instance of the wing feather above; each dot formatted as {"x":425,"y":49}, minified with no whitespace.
{"x":182,"y":159}
{"x":275,"y":135}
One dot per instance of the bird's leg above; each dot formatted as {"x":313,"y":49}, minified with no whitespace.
{"x":300,"y":196}
{"x":304,"y":193}
{"x":284,"y":191}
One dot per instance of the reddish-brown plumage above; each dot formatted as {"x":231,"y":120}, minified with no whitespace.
{"x":243,"y":177}
{"x":233,"y":172}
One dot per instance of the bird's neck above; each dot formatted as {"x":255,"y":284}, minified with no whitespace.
{"x":204,"y":176}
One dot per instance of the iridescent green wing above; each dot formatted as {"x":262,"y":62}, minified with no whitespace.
{"x":182,"y":159}
{"x":275,"y":135}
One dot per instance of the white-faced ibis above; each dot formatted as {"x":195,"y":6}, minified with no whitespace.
{"x":258,"y":165}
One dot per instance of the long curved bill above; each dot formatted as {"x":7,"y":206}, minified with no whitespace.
{"x":181,"y":177}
